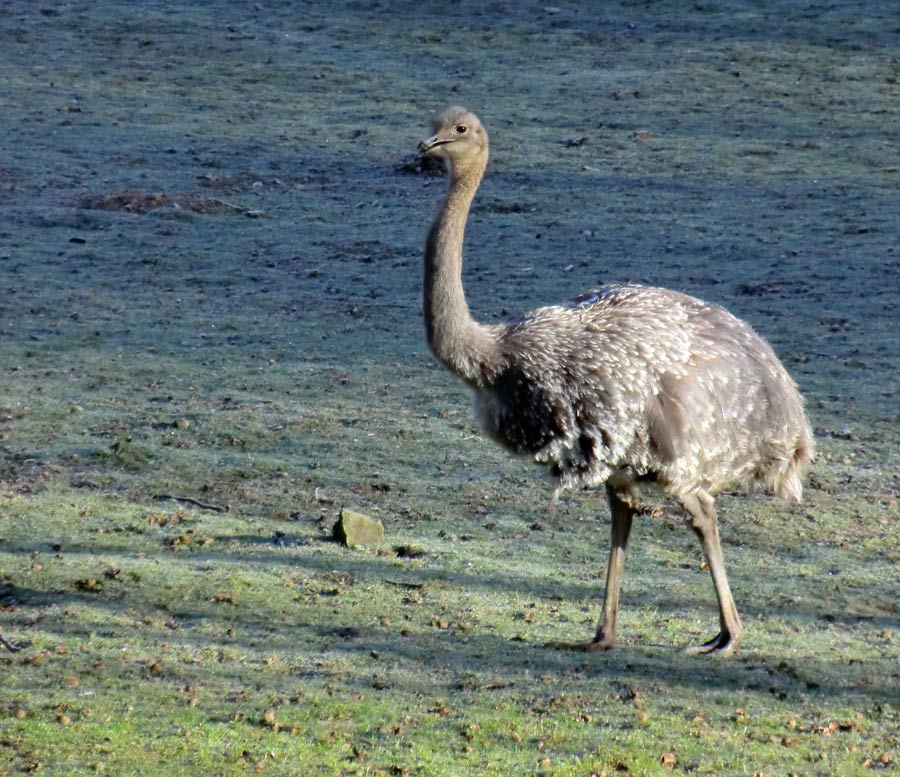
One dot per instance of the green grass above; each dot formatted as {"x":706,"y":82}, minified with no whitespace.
{"x":274,"y":368}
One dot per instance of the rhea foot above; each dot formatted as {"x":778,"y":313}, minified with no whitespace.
{"x":723,"y":644}
{"x":598,"y":643}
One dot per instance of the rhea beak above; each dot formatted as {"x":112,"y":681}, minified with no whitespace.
{"x":433,"y":142}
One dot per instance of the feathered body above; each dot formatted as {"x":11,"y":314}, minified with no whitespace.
{"x":638,"y":383}
{"x":618,"y":386}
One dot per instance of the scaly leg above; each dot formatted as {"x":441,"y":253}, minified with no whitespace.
{"x":623,"y":506}
{"x":704,"y":522}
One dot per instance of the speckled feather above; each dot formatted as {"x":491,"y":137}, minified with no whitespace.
{"x":638,"y":383}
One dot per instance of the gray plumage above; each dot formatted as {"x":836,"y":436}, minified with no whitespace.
{"x":617,"y":386}
{"x":634,"y":381}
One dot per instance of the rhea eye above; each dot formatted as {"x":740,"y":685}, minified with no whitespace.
{"x":460,"y":129}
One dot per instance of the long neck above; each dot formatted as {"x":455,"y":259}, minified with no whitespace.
{"x":456,"y":339}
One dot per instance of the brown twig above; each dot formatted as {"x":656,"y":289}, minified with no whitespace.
{"x":191,"y":501}
{"x":10,"y":646}
{"x":255,"y":214}
{"x":404,"y":584}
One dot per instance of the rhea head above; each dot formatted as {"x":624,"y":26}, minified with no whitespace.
{"x":458,"y":138}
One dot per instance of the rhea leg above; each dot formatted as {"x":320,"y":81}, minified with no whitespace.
{"x":704,"y":522}
{"x":622,"y":506}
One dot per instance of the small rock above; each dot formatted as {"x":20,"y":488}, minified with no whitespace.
{"x":353,"y":529}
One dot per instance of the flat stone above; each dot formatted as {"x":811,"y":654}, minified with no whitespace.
{"x":353,"y":529}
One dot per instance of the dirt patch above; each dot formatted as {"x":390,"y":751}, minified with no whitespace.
{"x":144,"y":202}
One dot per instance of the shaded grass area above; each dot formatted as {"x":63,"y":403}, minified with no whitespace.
{"x":282,"y":647}
{"x":209,"y":288}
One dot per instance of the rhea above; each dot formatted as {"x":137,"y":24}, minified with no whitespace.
{"x":619,"y":386}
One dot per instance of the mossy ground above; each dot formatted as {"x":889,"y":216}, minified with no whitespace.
{"x":209,"y":288}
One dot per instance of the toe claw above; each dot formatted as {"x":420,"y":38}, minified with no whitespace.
{"x":723,"y":644}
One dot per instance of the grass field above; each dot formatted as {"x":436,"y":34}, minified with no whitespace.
{"x":210,"y":340}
